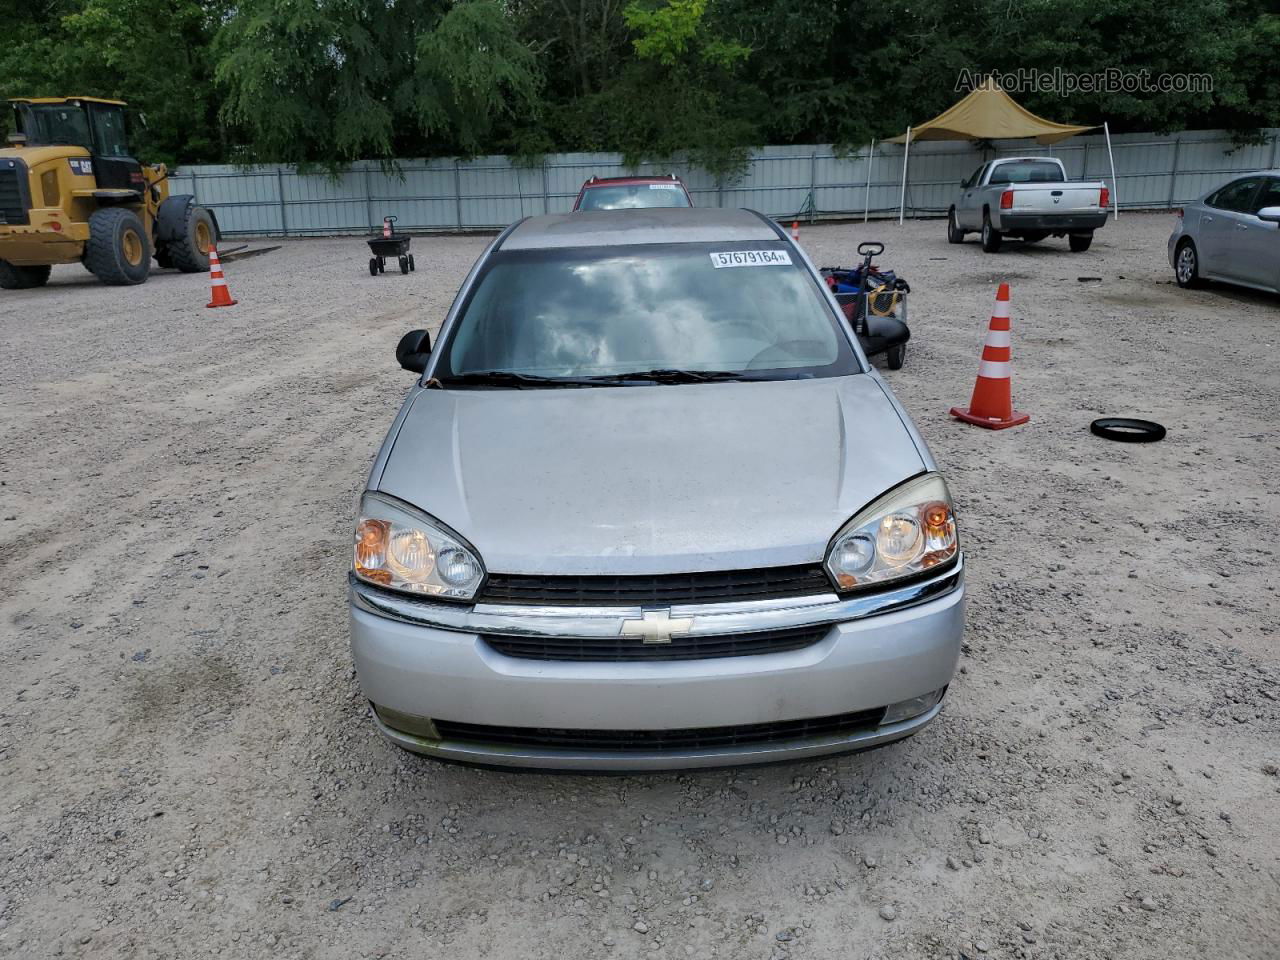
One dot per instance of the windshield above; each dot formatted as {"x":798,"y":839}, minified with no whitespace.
{"x":732,"y":310}
{"x":1028,"y":171}
{"x":47,"y":124}
{"x":633,"y":195}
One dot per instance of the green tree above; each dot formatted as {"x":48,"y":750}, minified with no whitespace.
{"x":330,"y":81}
{"x":155,"y":57}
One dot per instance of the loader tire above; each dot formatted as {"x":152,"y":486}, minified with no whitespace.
{"x":22,"y":278}
{"x":198,"y":233}
{"x":118,"y":251}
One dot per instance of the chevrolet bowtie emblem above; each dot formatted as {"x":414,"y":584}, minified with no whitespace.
{"x":656,"y":626}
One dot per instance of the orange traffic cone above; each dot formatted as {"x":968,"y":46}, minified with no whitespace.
{"x":795,"y":230}
{"x":220,"y":295}
{"x":992,"y":403}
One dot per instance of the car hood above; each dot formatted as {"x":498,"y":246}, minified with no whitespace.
{"x":650,"y":479}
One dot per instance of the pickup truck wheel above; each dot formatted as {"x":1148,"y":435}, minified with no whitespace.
{"x":954,"y":233}
{"x":991,"y":237}
{"x":1186,"y":268}
{"x":1079,"y":242}
{"x":22,"y":278}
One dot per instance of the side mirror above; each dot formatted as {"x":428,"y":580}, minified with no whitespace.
{"x":1269,"y":214}
{"x":413,"y":350}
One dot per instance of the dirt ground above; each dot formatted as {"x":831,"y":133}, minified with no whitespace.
{"x":187,"y":768}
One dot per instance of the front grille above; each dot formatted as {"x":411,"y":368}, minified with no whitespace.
{"x":620,"y":649}
{"x":717,"y":586}
{"x":13,"y":198}
{"x":637,"y":741}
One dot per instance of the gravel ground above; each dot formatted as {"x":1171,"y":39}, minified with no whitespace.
{"x":187,"y":768}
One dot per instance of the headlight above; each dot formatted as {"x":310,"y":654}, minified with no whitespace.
{"x":907,"y":531}
{"x":401,"y":548}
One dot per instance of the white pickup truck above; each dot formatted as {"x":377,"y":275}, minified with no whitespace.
{"x":1028,"y":198}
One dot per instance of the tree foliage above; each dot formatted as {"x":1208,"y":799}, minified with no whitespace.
{"x":328,"y":81}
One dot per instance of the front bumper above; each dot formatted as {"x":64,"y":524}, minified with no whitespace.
{"x":1053,"y":222}
{"x":428,"y":660}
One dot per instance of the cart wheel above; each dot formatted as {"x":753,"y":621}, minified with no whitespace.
{"x":373,"y":266}
{"x":382,"y":265}
{"x":411,"y":266}
{"x":404,"y":264}
{"x":896,"y":357}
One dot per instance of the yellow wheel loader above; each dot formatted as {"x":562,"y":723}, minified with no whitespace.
{"x":70,"y":190}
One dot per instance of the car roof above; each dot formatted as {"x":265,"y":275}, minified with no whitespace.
{"x":604,"y":228}
{"x":623,"y":181}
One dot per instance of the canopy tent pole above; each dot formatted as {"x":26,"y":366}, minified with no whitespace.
{"x":871,"y":159}
{"x":1115,"y":192}
{"x":902,"y":199}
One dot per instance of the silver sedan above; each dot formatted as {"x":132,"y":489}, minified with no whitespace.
{"x":1231,"y":234}
{"x":649,"y":506}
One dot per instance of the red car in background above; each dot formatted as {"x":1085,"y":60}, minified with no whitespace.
{"x":626,"y":193}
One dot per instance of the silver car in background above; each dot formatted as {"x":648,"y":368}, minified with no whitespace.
{"x":649,"y":506}
{"x":1231,"y":234}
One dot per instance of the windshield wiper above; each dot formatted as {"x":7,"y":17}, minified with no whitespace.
{"x":674,"y":376}
{"x":507,"y":378}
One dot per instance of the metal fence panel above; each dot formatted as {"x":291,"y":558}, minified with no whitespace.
{"x":785,"y":182}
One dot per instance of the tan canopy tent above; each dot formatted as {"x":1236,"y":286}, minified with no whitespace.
{"x":988,"y":113}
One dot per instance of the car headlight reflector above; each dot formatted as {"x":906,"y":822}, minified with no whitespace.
{"x":908,"y":530}
{"x":399,"y":547}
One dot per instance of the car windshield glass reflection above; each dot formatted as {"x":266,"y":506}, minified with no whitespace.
{"x":633,"y":196}
{"x":663,"y":315}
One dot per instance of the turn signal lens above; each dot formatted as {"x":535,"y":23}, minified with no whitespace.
{"x":399,"y":547}
{"x":1006,"y":200}
{"x":1104,"y":199}
{"x":910,"y":529}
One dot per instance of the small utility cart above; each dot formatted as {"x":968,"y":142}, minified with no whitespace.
{"x":875,"y":303}
{"x":389,"y":246}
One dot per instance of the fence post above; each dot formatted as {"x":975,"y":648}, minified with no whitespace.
{"x":813,"y":186}
{"x":1274,"y":137}
{"x":1084,"y":169}
{"x":457,"y":192}
{"x":368,"y":196}
{"x":284,"y":222}
{"x":546,"y":197}
{"x":1173,"y":173}
{"x":195,"y":195}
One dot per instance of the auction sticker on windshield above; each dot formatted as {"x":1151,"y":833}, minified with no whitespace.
{"x":751,"y":258}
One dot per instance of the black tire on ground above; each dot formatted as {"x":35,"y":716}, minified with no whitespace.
{"x":404,"y":264}
{"x":373,"y":266}
{"x":1079,"y":242}
{"x":118,"y":251}
{"x":190,"y":251}
{"x":382,"y":265}
{"x":411,"y":266}
{"x":163,"y":259}
{"x":22,"y":278}
{"x":954,"y":233}
{"x":896,"y":357}
{"x":991,"y":237}
{"x":1186,"y":269}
